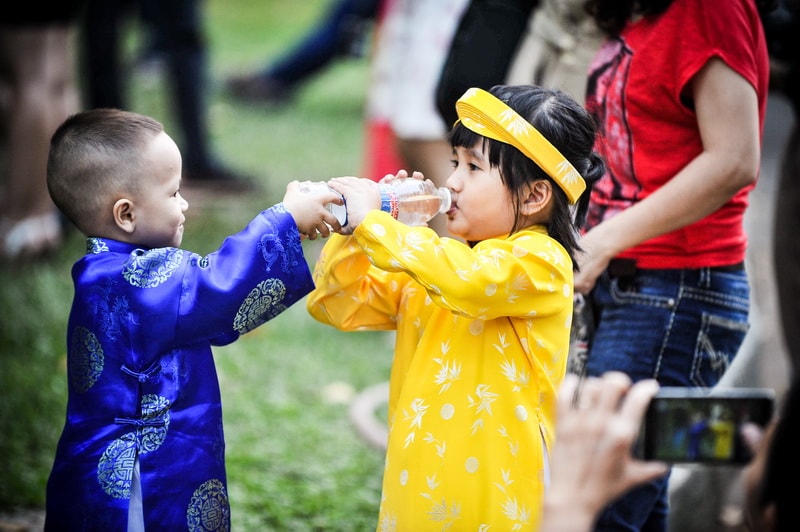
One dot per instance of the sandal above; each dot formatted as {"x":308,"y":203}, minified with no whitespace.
{"x":30,"y":237}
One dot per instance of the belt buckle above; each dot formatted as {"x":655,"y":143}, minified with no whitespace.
{"x":618,"y":267}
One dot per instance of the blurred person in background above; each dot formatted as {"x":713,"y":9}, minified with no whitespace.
{"x":782,"y":27}
{"x":340,"y":33}
{"x":769,"y":505}
{"x":557,"y":48}
{"x":679,"y":90}
{"x":542,"y":42}
{"x":480,"y":54}
{"x":175,"y":30}
{"x":412,"y":41}
{"x":39,"y":89}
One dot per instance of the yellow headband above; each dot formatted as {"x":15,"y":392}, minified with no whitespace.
{"x":484,"y":114}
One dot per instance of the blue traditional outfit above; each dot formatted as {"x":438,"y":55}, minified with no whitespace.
{"x":143,"y":388}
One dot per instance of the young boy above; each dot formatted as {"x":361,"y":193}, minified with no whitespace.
{"x":143,"y":443}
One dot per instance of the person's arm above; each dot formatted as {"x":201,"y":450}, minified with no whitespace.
{"x":726,"y":105}
{"x":252,"y":277}
{"x":350,"y":293}
{"x":496,"y":277}
{"x":309,"y":211}
{"x":592,"y":461}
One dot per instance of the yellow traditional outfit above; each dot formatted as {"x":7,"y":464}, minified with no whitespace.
{"x":481,"y":348}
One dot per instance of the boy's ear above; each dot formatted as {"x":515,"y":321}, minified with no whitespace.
{"x":540,"y":193}
{"x":124,"y":216}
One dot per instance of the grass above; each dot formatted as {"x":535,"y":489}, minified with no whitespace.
{"x":294,"y":459}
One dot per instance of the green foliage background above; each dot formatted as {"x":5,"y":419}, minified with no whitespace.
{"x":295,"y":461}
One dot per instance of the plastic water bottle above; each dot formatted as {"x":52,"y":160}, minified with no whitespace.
{"x":414,"y":201}
{"x":411,"y":201}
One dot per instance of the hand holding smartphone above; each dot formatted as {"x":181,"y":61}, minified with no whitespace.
{"x":693,"y":425}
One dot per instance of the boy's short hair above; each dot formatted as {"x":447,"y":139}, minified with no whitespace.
{"x":94,"y":157}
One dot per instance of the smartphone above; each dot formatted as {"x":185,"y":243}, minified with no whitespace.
{"x":695,"y":425}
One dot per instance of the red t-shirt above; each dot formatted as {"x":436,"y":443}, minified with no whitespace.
{"x":647,"y":134}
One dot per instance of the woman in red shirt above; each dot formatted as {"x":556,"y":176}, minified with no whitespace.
{"x":679,"y":89}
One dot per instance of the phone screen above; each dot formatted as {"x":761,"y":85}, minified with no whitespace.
{"x":688,"y":425}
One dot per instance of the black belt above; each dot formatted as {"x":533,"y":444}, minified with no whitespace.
{"x":627,"y":268}
{"x":739,"y":266}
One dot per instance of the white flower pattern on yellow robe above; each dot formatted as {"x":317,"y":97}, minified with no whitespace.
{"x":481,"y":347}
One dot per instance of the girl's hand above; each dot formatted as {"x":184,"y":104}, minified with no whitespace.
{"x":401,"y":174}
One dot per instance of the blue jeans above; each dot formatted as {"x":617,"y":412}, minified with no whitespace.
{"x":681,"y":327}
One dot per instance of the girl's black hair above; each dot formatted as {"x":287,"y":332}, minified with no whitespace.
{"x":568,"y":127}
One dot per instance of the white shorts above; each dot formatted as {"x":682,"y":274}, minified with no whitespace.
{"x":412,"y":43}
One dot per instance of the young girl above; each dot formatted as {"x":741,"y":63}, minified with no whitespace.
{"x":664,"y":247}
{"x":482,"y":325}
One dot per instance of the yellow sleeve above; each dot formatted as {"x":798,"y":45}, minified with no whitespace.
{"x":525,"y":274}
{"x":351,"y":294}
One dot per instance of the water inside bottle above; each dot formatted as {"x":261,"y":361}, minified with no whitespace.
{"x":418,"y":210}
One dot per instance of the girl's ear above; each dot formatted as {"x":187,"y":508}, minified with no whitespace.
{"x":124,"y":215}
{"x":540,"y":193}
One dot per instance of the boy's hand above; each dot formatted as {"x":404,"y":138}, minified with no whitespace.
{"x":309,"y":212}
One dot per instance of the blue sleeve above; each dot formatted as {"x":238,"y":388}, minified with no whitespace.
{"x":255,"y":275}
